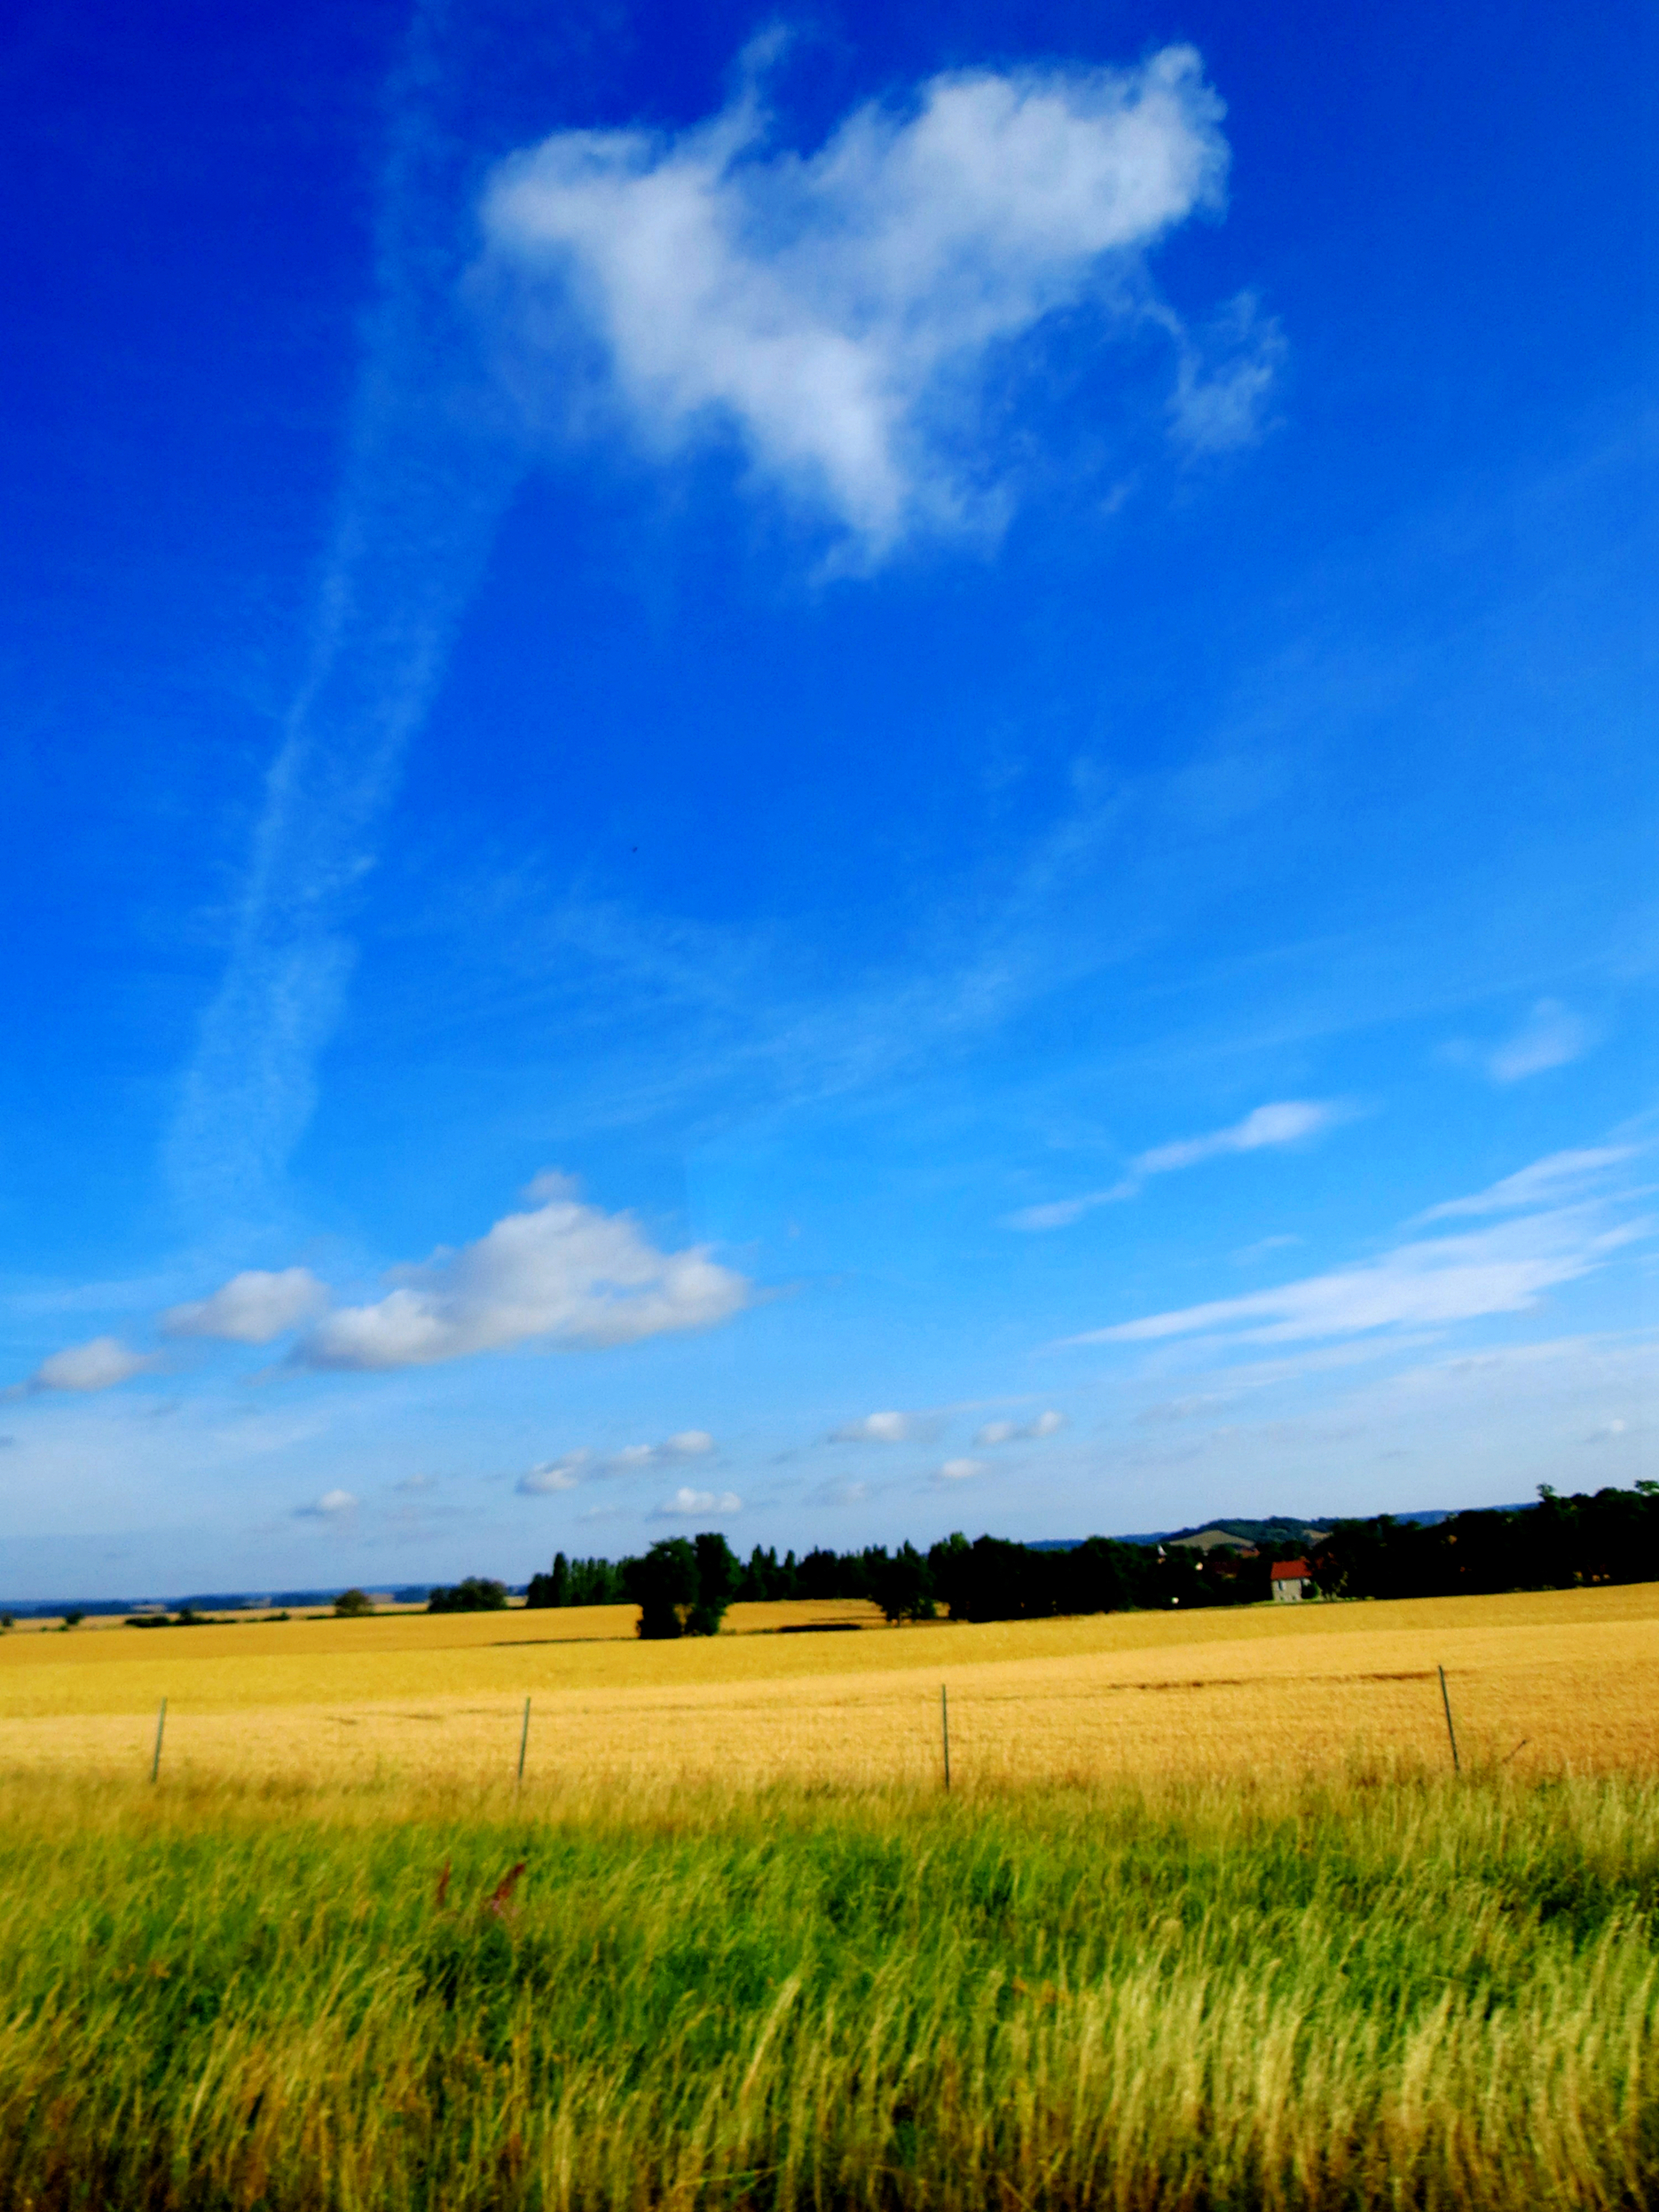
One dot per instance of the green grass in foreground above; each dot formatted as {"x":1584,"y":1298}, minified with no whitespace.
{"x":1399,"y":1995}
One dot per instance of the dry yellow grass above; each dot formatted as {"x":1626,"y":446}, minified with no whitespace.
{"x":1304,"y":1690}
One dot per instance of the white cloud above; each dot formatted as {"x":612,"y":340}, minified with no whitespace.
{"x":1286,"y":1121}
{"x":566,"y":1471}
{"x":1435,"y":1281}
{"x":841,"y":1494}
{"x":994,"y":1432}
{"x":960,"y":1470}
{"x":685,"y":1502}
{"x":893,"y":1427}
{"x":553,"y":1474}
{"x":252,"y":1308}
{"x":1224,"y":384}
{"x":416,"y":1482}
{"x":832,"y":311}
{"x":97,"y":1364}
{"x":564,"y":1274}
{"x":1060,"y":1213}
{"x":688,"y":1444}
{"x":1562,"y":1175}
{"x":1549,"y":1037}
{"x":332,"y":1506}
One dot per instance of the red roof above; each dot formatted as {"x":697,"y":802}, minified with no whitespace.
{"x":1291,"y":1570}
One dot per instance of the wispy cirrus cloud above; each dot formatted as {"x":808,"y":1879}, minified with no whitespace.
{"x":831,"y":313}
{"x":562,"y":1274}
{"x":1286,"y":1121}
{"x":427,"y":473}
{"x":1550,"y":1036}
{"x":1562,"y":1176}
{"x":1427,"y":1282}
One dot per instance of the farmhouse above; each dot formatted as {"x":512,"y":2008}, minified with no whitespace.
{"x":1289,"y":1578}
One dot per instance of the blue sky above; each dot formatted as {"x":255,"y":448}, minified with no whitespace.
{"x":836,"y":773}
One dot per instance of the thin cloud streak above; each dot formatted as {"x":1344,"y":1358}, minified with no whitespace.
{"x":426,"y":476}
{"x":1427,"y":1283}
{"x":1563,"y":1174}
{"x":1287,"y":1121}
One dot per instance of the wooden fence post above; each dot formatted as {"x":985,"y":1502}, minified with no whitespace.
{"x":523,"y":1742}
{"x":1457,"y":1764}
{"x":944,"y":1726}
{"x":161,"y":1723}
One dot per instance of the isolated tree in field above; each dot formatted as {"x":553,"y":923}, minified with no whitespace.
{"x":353,"y":1604}
{"x":664,"y":1587}
{"x":681,"y":1589}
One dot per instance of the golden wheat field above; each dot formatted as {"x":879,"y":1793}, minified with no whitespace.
{"x":1540,"y":1683}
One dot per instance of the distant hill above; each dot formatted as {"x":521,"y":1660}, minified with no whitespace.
{"x":1278,"y":1528}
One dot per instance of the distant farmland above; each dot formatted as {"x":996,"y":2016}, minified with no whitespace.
{"x":1546,"y":1682}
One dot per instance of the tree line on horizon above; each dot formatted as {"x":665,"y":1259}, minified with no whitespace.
{"x":682,"y":1585}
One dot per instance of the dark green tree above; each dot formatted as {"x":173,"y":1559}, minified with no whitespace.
{"x":717,"y":1575}
{"x":474,"y":1594}
{"x":901,"y":1586}
{"x":664,"y":1586}
{"x":551,"y":1589}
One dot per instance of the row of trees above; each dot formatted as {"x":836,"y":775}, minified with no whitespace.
{"x":1612,"y":1535}
{"x":683,"y":1586}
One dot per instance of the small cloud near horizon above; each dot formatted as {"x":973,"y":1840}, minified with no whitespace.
{"x":995,"y":1432}
{"x":332,"y":1506}
{"x":889,"y":1428}
{"x":685,"y":1503}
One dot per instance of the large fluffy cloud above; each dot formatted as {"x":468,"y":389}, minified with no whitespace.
{"x":253,"y":1308}
{"x":562,"y":1273}
{"x":831,"y":311}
